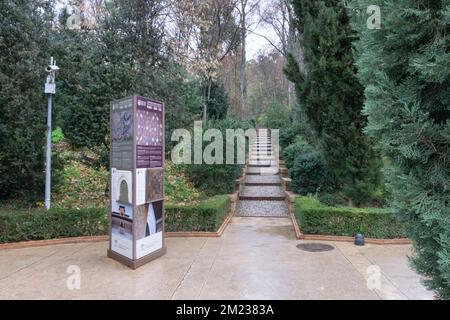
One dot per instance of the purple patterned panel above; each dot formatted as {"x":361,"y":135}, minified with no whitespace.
{"x":150,"y":133}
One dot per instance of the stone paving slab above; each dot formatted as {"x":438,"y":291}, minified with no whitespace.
{"x":254,"y":259}
{"x":263,"y":179}
{"x":263,"y":191}
{"x":249,"y":208}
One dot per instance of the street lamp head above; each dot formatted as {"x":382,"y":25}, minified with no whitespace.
{"x":51,"y":68}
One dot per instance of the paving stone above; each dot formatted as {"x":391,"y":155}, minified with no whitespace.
{"x":248,"y":208}
{"x":262,"y":191}
{"x":263,"y":179}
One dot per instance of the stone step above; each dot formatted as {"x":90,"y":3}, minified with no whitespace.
{"x":249,"y":208}
{"x":263,"y":180}
{"x":258,"y":158}
{"x":262,"y":163}
{"x":263,"y":193}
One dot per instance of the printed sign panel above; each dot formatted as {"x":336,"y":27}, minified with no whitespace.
{"x":122,"y":129}
{"x":150,"y":134}
{"x":137,"y":178}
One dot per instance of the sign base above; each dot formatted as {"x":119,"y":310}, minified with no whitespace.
{"x":135,"y":264}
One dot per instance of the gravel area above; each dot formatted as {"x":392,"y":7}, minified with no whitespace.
{"x":263,"y":179}
{"x":262,"y":191}
{"x":262,"y":209}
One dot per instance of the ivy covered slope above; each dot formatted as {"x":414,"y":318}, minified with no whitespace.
{"x":405,"y":66}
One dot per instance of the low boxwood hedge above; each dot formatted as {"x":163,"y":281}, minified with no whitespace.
{"x":57,"y":223}
{"x":207,"y":216}
{"x":317,"y":218}
{"x":66,"y":223}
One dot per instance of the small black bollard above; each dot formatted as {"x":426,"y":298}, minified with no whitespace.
{"x":359,"y":239}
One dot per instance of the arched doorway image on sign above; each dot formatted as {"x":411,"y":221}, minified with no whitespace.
{"x":148,"y":228}
{"x":121,"y":191}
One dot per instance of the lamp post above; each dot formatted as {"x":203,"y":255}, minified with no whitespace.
{"x":50,"y":89}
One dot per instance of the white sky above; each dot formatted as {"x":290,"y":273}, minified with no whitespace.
{"x":255,"y":43}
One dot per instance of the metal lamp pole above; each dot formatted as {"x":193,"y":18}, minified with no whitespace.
{"x":50,"y":89}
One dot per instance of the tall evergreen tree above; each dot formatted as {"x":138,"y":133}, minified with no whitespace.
{"x":406,"y":67}
{"x":125,"y":54}
{"x":24,"y":27}
{"x":332,"y":96}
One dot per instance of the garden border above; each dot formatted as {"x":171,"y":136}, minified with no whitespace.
{"x":105,"y":238}
{"x":317,"y":237}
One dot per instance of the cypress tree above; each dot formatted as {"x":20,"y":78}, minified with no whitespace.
{"x":332,"y":96}
{"x":406,"y":67}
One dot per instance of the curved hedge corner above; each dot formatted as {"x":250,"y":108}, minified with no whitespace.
{"x":56,"y":223}
{"x":207,"y":216}
{"x":316,"y":218}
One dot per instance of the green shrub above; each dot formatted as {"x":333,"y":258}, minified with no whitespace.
{"x":207,"y":216}
{"x":289,"y":135}
{"x":316,"y":218}
{"x":298,"y":146}
{"x":310,"y":174}
{"x":217,"y":178}
{"x":57,"y":223}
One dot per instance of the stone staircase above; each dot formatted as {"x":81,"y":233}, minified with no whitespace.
{"x":262,"y":193}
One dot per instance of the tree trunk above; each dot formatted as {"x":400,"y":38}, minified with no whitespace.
{"x":243,"y":76}
{"x":207,"y":100}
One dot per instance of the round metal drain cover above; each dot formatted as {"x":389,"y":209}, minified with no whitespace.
{"x":315,"y":247}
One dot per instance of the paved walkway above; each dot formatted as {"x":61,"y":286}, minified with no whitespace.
{"x":256,"y":258}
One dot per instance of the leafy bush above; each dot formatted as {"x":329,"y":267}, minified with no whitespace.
{"x":217,"y":178}
{"x":177,"y":188}
{"x":79,"y":185}
{"x":311,"y":175}
{"x":316,"y":218}
{"x":206,"y":216}
{"x":289,"y":135}
{"x":299,"y":146}
{"x":57,"y":136}
{"x":57,"y":223}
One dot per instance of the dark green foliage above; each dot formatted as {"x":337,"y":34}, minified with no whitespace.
{"x":277,"y":116}
{"x":406,"y":68}
{"x":316,"y":218}
{"x":289,"y":135}
{"x":206,"y":216}
{"x":217,"y":178}
{"x":218,"y":103}
{"x":57,"y":223}
{"x":307,"y":169}
{"x":24,"y":30}
{"x":125,"y":55}
{"x":332,"y":97}
{"x":310,"y":174}
{"x":298,"y":146}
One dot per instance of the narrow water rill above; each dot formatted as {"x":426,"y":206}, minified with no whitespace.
{"x":262,"y":195}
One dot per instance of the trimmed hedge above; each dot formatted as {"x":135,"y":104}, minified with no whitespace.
{"x":316,"y":218}
{"x":66,"y":223}
{"x":207,"y":216}
{"x":56,"y":223}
